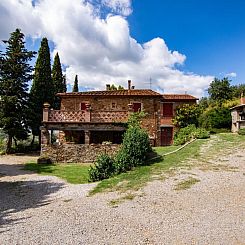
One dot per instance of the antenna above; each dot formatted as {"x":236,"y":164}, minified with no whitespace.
{"x":150,"y":82}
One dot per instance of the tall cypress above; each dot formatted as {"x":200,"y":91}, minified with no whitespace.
{"x":58,"y":80}
{"x":15,"y":73}
{"x":75,"y":86}
{"x":42,"y":89}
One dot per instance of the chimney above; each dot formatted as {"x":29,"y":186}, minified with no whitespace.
{"x":108,"y":87}
{"x":133,"y":87}
{"x":129,"y":84}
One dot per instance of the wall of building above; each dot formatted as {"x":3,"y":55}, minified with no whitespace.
{"x":100,"y":104}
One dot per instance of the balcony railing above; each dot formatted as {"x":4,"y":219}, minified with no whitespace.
{"x":84,"y":116}
{"x":109,"y":116}
{"x":66,"y":116}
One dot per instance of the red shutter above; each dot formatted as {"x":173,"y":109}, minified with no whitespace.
{"x":137,"y":107}
{"x":83,"y":106}
{"x":167,"y":110}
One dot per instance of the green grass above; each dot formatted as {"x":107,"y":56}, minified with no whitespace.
{"x":186,"y":184}
{"x":166,"y":149}
{"x":73,"y":173}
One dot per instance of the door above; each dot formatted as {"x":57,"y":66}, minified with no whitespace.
{"x":166,"y":136}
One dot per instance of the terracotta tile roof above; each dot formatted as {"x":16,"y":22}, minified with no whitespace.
{"x":179,"y":97}
{"x":125,"y":92}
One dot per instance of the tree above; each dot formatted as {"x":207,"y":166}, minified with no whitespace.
{"x":238,"y":90}
{"x":186,"y":115}
{"x":120,"y":87}
{"x":220,"y":90}
{"x":216,"y":118}
{"x":75,"y":87}
{"x":58,"y":81}
{"x":42,"y":89}
{"x":113,"y":87}
{"x":15,"y":73}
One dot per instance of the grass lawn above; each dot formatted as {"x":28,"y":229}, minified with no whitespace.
{"x":72,"y":173}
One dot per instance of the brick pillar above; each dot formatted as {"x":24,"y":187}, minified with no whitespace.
{"x":88,"y":113}
{"x":46,"y":111}
{"x":87,"y":137}
{"x":45,"y":136}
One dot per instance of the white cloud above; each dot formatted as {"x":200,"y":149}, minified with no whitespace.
{"x":231,"y":74}
{"x":100,"y":50}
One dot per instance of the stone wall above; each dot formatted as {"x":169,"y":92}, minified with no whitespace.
{"x":77,"y":153}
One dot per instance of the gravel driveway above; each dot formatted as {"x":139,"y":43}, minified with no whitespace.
{"x":46,"y":210}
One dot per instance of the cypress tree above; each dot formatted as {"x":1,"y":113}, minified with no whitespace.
{"x":42,"y":89}
{"x":58,"y":80}
{"x":15,"y":73}
{"x":75,"y":87}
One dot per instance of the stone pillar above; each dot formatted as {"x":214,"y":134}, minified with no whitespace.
{"x":45,"y":111}
{"x":87,"y":137}
{"x":45,"y":140}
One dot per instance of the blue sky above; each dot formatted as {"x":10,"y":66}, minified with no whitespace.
{"x":181,"y":45}
{"x":210,"y":33}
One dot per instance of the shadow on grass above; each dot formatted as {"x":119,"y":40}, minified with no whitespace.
{"x":22,"y":195}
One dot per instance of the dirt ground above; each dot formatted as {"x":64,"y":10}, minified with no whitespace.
{"x":38,"y":209}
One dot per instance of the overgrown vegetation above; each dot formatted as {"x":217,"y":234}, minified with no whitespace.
{"x":133,"y":152}
{"x":190,"y":132}
{"x":213,"y":112}
{"x":104,"y":168}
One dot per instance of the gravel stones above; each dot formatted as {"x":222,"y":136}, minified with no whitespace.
{"x":46,"y":210}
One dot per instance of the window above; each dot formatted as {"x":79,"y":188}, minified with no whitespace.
{"x":167,"y":109}
{"x":83,"y":106}
{"x":136,"y":107}
{"x":113,"y":105}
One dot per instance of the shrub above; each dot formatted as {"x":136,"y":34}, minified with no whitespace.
{"x":201,"y":133}
{"x":103,"y":168}
{"x":136,"y":145}
{"x":186,"y":134}
{"x":241,"y":131}
{"x":216,"y":118}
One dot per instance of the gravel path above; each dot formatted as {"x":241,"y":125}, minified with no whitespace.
{"x":46,"y":210}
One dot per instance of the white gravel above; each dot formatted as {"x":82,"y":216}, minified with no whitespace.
{"x":46,"y":210}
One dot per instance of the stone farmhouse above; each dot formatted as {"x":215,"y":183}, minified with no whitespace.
{"x":95,"y":117}
{"x":238,"y":116}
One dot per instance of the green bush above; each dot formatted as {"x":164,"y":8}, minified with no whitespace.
{"x":190,"y":132}
{"x":103,"y":169}
{"x":133,"y":152}
{"x":184,"y":135}
{"x":136,"y":145}
{"x":241,"y":131}
{"x":216,"y":118}
{"x":201,"y":133}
